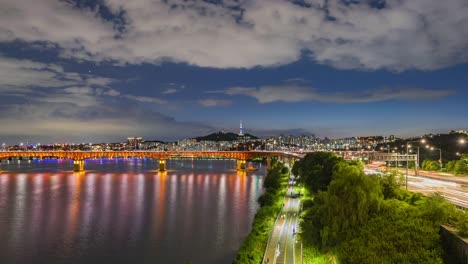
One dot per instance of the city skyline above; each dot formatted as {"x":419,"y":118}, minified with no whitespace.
{"x":83,"y":71}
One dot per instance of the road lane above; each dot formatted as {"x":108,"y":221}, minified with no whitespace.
{"x":454,"y":192}
{"x":281,"y":247}
{"x":452,"y":188}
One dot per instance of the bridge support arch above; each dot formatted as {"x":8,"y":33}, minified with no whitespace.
{"x":162,"y":165}
{"x":78,"y":165}
{"x":268,"y":163}
{"x":240,"y":165}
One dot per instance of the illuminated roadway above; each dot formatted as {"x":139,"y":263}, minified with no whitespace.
{"x":456,"y":193}
{"x":282,"y":244}
{"x":452,"y":188}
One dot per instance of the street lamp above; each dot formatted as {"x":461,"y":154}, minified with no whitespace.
{"x":388,"y":153}
{"x":416,"y":167}
{"x":461,"y":142}
{"x":440,"y":153}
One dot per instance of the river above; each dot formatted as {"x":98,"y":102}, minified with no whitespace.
{"x":124,"y":211}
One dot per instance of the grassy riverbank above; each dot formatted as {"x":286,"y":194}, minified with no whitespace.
{"x":253,"y":248}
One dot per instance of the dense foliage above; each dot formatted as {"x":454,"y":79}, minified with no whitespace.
{"x":430,"y":165}
{"x":370,"y":219}
{"x":316,"y":170}
{"x":458,"y":167}
{"x":253,"y":248}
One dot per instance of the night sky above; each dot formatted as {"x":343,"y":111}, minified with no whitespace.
{"x":100,"y":71}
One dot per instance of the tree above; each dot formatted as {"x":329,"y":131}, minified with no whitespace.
{"x":315,"y":170}
{"x":370,"y":219}
{"x":451,"y":166}
{"x":266,"y":199}
{"x":397,"y":235}
{"x":391,"y":184}
{"x":272,"y":180}
{"x":461,"y":167}
{"x":437,"y":210}
{"x":431,"y":165}
{"x":352,"y":198}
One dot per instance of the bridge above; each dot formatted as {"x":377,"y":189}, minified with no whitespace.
{"x":79,"y":157}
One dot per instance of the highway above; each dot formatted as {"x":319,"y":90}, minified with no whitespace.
{"x":456,"y":193}
{"x":452,"y":188}
{"x":282,"y":244}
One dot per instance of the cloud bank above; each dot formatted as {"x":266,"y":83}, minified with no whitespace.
{"x":44,"y":101}
{"x":396,"y":35}
{"x":294,"y":93}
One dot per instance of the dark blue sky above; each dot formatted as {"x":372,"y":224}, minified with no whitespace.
{"x":92,"y":71}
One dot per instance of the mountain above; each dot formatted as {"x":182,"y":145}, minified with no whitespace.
{"x":223,"y":136}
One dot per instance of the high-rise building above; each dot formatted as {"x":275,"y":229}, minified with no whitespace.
{"x":241,"y":133}
{"x":134,"y":142}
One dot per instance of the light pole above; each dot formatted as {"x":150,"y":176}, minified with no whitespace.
{"x":417,"y":159}
{"x":461,"y":142}
{"x":440,"y":154}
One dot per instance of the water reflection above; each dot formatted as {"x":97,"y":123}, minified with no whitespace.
{"x":125,"y":212}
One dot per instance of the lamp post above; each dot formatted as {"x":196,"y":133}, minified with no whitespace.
{"x":416,"y":167}
{"x":461,"y":142}
{"x":388,"y":155}
{"x":440,"y":155}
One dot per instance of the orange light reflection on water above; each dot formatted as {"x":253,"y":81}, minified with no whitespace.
{"x":74,"y":212}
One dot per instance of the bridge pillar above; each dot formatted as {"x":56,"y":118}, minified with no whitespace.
{"x":268,"y":163}
{"x":78,"y":165}
{"x":162,"y":165}
{"x":240,"y":165}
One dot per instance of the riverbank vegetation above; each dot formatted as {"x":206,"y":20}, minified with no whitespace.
{"x":253,"y":248}
{"x":351,"y":217}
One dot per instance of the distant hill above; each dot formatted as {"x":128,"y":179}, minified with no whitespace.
{"x":449,"y":143}
{"x":223,"y":136}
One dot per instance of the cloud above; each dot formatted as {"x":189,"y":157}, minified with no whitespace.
{"x":51,"y":104}
{"x":56,"y":122}
{"x":145,"y":99}
{"x":169,"y":91}
{"x":24,"y":75}
{"x":417,"y":34}
{"x":34,"y":80}
{"x":294,"y":93}
{"x":212,"y":102}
